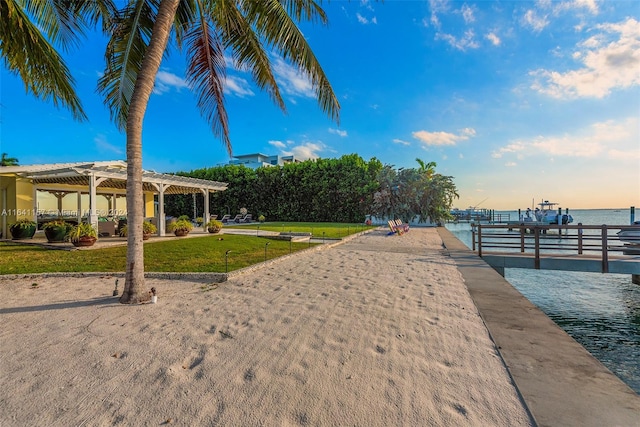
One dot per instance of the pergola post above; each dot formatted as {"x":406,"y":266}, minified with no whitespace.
{"x":206,"y":207}
{"x":161,"y":217}
{"x":79,"y":211}
{"x":35,"y":205}
{"x":4,"y":217}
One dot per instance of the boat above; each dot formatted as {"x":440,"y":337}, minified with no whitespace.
{"x":472,"y":213}
{"x":545,"y":214}
{"x":630,"y":234}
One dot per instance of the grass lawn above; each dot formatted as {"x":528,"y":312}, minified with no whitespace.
{"x":331,"y":230}
{"x":199,"y":254}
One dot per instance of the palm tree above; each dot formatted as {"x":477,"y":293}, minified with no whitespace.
{"x":26,"y":26}
{"x":8,"y":161}
{"x":206,"y":29}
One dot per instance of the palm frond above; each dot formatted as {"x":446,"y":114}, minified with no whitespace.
{"x":206,"y":75}
{"x":127,"y":46}
{"x":276,"y":27}
{"x":59,"y":20}
{"x":305,"y":10}
{"x":246,"y":47}
{"x":27,"y":53}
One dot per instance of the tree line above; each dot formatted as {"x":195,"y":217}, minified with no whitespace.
{"x":346,"y":189}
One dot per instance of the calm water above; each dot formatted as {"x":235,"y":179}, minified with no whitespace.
{"x":600,"y":311}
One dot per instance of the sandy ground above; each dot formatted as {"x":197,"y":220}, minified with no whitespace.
{"x":379,"y":331}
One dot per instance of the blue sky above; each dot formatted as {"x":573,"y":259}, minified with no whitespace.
{"x":518,"y":101}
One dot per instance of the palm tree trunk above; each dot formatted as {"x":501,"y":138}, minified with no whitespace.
{"x":134,"y":291}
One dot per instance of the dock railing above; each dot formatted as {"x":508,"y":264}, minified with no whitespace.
{"x":546,"y":240}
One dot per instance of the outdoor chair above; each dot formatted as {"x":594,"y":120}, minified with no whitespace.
{"x":247,"y":218}
{"x":237,"y":218}
{"x":225,"y":219}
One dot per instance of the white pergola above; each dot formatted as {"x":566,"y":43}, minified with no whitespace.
{"x":109,"y":179}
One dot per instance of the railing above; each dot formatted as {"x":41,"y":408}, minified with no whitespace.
{"x":541,"y":240}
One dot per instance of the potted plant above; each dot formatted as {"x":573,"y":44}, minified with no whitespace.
{"x":214,"y":226}
{"x":56,"y":230}
{"x":83,"y":234}
{"x":261,"y":218}
{"x":147,"y":230}
{"x":181,"y":227}
{"x":23,"y":229}
{"x":199,"y":221}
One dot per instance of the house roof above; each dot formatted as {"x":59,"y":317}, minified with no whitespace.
{"x":109,"y":174}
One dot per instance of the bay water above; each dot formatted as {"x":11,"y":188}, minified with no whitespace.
{"x":600,"y":311}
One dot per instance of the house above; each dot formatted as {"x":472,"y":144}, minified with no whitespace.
{"x":258,"y":160}
{"x":24,"y":190}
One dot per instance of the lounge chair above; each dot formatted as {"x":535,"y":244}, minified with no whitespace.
{"x":225,"y":219}
{"x":403,"y":226}
{"x":237,"y":218}
{"x":397,"y":227}
{"x":247,"y":218}
{"x":213,"y":217}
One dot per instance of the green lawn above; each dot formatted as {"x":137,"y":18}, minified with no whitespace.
{"x":198,"y":254}
{"x":331,"y":230}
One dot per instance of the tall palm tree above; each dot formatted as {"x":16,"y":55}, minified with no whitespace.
{"x":8,"y":161}
{"x":206,"y":29}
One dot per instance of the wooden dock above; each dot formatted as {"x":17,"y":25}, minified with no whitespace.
{"x":588,"y":248}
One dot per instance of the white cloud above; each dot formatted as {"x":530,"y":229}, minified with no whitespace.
{"x":493,"y":38}
{"x":466,"y":42}
{"x":305,"y":151}
{"x":533,"y":21}
{"x":365,"y":21}
{"x":291,"y":80}
{"x":467,"y":14}
{"x":400,"y":141}
{"x":511,"y":148}
{"x":575,"y":5}
{"x":104,"y":146}
{"x":606,"y":64}
{"x":436,"y":6}
{"x":278,"y":144}
{"x":165,"y":81}
{"x":468,"y":132}
{"x":338,"y":132}
{"x":610,"y":140}
{"x":511,"y":164}
{"x":442,"y":138}
{"x":237,"y":86}
{"x":366,"y":4}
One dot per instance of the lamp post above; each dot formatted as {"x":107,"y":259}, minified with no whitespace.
{"x":290,"y":240}
{"x":266,"y":245}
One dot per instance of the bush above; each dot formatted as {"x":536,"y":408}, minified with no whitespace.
{"x":214,"y":226}
{"x":82,"y":230}
{"x":181,"y":225}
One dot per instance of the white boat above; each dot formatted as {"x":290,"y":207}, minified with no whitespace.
{"x":631,"y":234}
{"x":545,"y":214}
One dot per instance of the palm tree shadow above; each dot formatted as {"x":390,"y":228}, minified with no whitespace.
{"x":99,"y":301}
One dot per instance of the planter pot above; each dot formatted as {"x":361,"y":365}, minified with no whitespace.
{"x":181,"y":233}
{"x":84,"y":241}
{"x":55,"y":234}
{"x":146,"y":236}
{"x":18,"y":233}
{"x":213,"y":230}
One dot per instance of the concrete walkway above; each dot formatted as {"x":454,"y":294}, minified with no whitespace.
{"x":561,"y":382}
